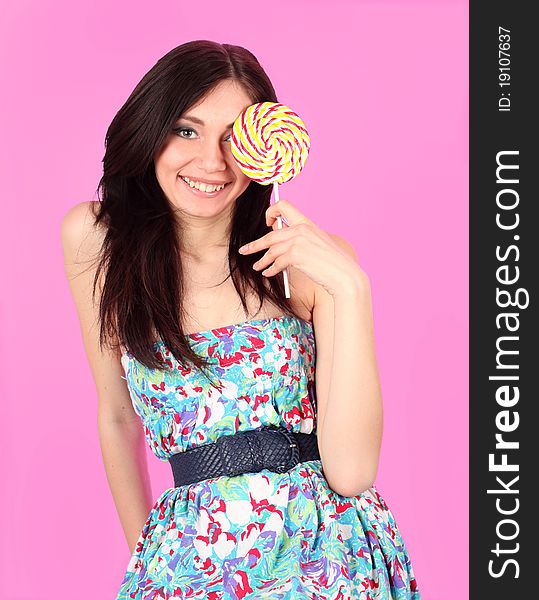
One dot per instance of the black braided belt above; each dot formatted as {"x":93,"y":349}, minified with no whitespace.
{"x":269,"y":447}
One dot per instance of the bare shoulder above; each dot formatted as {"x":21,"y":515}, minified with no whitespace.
{"x":81,"y":238}
{"x":81,"y":244}
{"x":344,"y":245}
{"x":309,"y":294}
{"x":320,"y":297}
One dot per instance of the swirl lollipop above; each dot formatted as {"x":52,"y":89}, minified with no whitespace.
{"x":270,"y":144}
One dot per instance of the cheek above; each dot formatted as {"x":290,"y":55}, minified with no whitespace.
{"x":242,"y":179}
{"x":244,"y":182}
{"x":161,"y":172}
{"x":168,"y":157}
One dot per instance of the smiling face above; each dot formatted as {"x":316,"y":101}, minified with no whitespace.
{"x":198,"y":149}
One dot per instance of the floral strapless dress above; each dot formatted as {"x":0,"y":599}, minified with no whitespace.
{"x":256,"y":535}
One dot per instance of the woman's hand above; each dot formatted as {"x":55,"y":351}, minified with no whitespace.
{"x":304,"y":246}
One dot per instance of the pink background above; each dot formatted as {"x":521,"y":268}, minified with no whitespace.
{"x":383,"y":89}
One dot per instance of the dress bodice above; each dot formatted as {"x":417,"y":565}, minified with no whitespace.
{"x":264,"y":369}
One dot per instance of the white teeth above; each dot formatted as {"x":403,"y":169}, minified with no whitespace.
{"x":204,"y":187}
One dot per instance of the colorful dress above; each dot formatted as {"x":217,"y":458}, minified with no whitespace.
{"x":255,"y":535}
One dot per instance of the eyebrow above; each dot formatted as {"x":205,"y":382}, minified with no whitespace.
{"x":199,"y":121}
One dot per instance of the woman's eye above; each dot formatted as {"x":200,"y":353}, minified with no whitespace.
{"x":181,"y":130}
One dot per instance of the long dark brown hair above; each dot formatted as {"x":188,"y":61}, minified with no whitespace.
{"x":142,"y":289}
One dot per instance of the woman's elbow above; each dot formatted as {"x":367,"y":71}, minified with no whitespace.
{"x":350,"y":486}
{"x":350,"y":491}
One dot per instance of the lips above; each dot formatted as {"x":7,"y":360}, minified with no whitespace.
{"x":200,"y":193}
{"x":205,"y":181}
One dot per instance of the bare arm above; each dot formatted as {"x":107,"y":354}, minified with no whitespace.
{"x":121,"y":435}
{"x":124,"y":456}
{"x":350,"y":409}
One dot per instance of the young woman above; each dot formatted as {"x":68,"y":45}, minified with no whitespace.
{"x":269,"y":409}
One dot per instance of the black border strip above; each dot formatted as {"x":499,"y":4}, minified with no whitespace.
{"x":504,"y":333}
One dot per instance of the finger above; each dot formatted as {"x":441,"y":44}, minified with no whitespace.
{"x":265,"y":241}
{"x":278,"y":265}
{"x":276,"y":254}
{"x":290,"y":215}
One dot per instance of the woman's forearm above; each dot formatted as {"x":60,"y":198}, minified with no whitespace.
{"x":351,"y":428}
{"x":124,"y":456}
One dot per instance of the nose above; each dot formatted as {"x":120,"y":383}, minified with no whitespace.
{"x":211,"y":156}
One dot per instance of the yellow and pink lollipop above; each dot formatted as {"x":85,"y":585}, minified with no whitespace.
{"x":270,"y":144}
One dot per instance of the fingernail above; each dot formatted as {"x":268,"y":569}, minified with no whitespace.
{"x":242,"y":249}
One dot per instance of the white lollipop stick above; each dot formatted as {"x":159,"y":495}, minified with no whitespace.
{"x":280,"y":226}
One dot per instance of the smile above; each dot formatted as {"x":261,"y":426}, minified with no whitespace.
{"x":203,"y":188}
